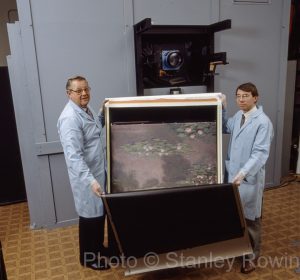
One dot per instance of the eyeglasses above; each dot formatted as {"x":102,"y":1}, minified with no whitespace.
{"x":80,"y":91}
{"x":243,"y":96}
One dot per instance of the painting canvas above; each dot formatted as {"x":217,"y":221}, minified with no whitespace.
{"x":162,"y":155}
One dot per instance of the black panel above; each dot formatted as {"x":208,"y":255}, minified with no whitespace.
{"x":165,"y":220}
{"x":167,"y":114}
{"x":11,"y":166}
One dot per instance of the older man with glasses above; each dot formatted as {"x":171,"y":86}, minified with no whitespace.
{"x":81,"y":136}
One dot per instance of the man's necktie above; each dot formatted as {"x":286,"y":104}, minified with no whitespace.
{"x":89,"y":113}
{"x":242,"y":120}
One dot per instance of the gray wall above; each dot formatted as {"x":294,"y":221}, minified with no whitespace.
{"x":59,"y":38}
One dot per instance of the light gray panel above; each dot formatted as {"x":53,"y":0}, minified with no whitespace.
{"x":64,"y":203}
{"x":252,"y":46}
{"x":88,"y":39}
{"x":31,"y":70}
{"x":175,"y":12}
{"x":40,"y":205}
{"x":48,"y":148}
{"x":255,"y":46}
{"x":39,"y":189}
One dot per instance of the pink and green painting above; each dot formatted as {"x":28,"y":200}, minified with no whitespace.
{"x":162,"y":155}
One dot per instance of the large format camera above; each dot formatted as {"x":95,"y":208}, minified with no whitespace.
{"x":169,"y":56}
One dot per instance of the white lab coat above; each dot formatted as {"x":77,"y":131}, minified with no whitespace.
{"x":82,"y":140}
{"x":248,"y":152}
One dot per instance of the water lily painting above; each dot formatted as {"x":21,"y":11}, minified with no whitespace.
{"x":162,"y":155}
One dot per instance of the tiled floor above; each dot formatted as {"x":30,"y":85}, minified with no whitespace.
{"x":53,"y":254}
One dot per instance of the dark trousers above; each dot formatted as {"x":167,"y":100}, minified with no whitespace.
{"x":254,"y":229}
{"x":91,"y":237}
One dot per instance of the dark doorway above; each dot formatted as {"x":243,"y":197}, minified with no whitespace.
{"x":11,"y":172}
{"x":294,"y":54}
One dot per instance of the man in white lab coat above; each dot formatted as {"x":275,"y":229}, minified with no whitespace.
{"x":81,"y":136}
{"x":251,"y":134}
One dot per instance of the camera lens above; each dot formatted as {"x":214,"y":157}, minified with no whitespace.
{"x":175,"y":59}
{"x":171,"y":60}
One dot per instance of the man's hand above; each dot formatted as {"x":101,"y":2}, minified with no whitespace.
{"x":102,"y":107}
{"x":96,"y":188}
{"x":238,"y":179}
{"x":224,"y":101}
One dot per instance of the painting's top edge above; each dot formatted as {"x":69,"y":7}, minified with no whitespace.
{"x":211,"y":98}
{"x":216,"y":95}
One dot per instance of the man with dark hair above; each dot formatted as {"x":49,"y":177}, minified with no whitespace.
{"x":81,"y":136}
{"x":249,"y":147}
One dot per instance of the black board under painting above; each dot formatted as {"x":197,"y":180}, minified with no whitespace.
{"x":162,"y":155}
